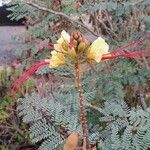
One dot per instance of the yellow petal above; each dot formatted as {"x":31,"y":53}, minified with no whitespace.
{"x":57,"y":59}
{"x":65,"y":37}
{"x":58,"y":48}
{"x":100,"y":44}
{"x":98,"y":48}
{"x":94,"y":55}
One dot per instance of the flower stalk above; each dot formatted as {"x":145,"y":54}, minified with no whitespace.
{"x":73,"y":51}
{"x":81,"y":105}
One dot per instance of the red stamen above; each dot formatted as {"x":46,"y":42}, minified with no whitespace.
{"x":71,"y":43}
{"x":15,"y":86}
{"x":129,"y":55}
{"x":131,"y":45}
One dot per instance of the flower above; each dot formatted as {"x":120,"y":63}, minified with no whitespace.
{"x":62,"y":42}
{"x":60,"y":49}
{"x":97,"y":49}
{"x":57,"y":59}
{"x":63,"y":45}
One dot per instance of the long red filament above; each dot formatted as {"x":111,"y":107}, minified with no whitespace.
{"x":131,"y":45}
{"x":128,"y":55}
{"x":15,"y":86}
{"x":113,"y":55}
{"x":71,"y":43}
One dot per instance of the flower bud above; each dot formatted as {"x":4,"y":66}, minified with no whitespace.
{"x":80,"y":39}
{"x":81,"y":47}
{"x":72,"y":53}
{"x":78,"y":33}
{"x":75,"y":43}
{"x":75,"y":36}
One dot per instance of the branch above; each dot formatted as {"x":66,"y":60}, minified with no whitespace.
{"x":3,"y":127}
{"x":140,"y":1}
{"x":109,"y":31}
{"x":142,"y":100}
{"x":93,"y":107}
{"x":71,"y":19}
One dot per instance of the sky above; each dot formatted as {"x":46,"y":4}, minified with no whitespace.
{"x":3,"y":0}
{"x":0,"y":3}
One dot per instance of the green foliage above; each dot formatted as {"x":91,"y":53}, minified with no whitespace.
{"x":117,"y":118}
{"x":128,"y":131}
{"x":134,"y":134}
{"x":13,"y":132}
{"x":121,"y":20}
{"x":115,"y":124}
{"x":5,"y":82}
{"x":50,"y":119}
{"x":5,"y":100}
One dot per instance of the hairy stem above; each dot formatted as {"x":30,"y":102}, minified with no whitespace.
{"x":81,"y":105}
